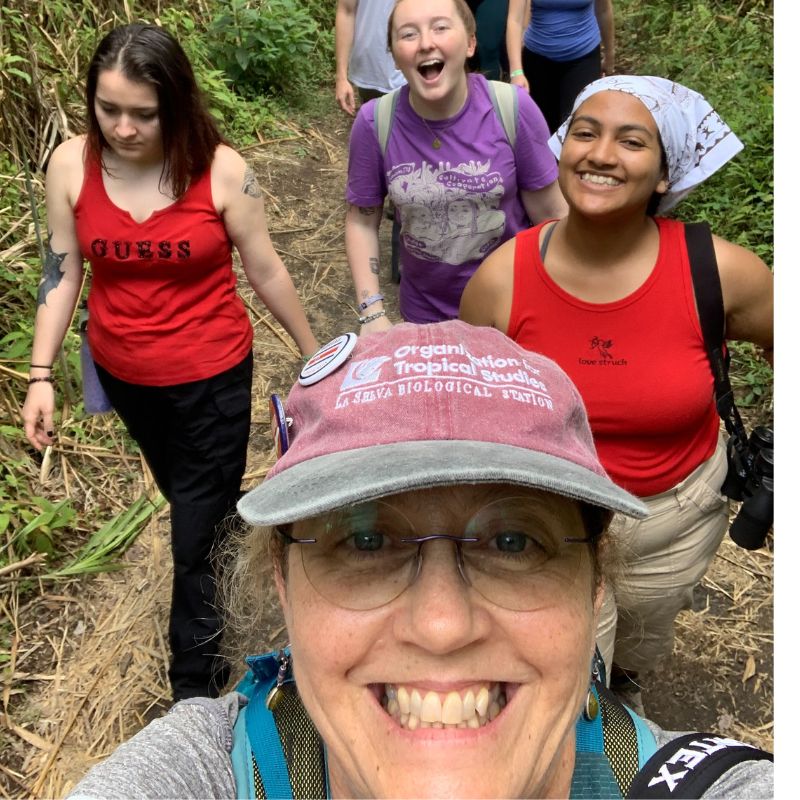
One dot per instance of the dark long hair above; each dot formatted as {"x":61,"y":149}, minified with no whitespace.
{"x":148,"y":54}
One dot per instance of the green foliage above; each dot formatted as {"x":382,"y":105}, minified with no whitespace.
{"x":109,"y":542}
{"x":723,"y":49}
{"x":323,"y":11}
{"x":240,"y":120}
{"x":28,"y":524}
{"x":264,"y":46}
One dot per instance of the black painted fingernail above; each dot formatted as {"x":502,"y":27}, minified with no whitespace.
{"x":50,"y":433}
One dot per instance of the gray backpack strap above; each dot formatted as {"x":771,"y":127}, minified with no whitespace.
{"x":384,"y":117}
{"x":505,"y":102}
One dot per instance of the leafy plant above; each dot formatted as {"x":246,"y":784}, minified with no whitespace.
{"x":263,"y":45}
{"x":101,"y":552}
{"x":28,"y":524}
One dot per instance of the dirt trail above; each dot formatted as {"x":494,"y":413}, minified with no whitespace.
{"x":103,"y":655}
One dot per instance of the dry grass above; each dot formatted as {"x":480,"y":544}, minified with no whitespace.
{"x":89,"y":658}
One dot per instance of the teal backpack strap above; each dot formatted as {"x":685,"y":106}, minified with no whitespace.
{"x":611,"y":748}
{"x":592,"y":776}
{"x":277,"y":752}
{"x":506,"y":105}
{"x":645,"y":741}
{"x":242,"y":760}
{"x":241,"y":752}
{"x":261,"y":730}
{"x":384,"y":117}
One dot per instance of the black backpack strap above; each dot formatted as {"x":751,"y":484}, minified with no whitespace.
{"x":711,"y":310}
{"x":707,"y":286}
{"x":688,"y":765}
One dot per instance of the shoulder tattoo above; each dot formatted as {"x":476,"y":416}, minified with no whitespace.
{"x":250,"y":184}
{"x":51,"y":272}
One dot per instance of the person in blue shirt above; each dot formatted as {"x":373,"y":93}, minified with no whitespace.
{"x":556,"y":47}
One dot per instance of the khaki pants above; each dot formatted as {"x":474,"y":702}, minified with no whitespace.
{"x":665,"y":557}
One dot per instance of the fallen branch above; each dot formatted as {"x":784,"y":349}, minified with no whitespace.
{"x":26,"y":562}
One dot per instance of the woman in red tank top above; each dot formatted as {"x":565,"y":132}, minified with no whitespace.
{"x":607,"y":293}
{"x":153,"y":198}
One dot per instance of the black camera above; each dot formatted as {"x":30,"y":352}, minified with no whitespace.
{"x":750,"y":479}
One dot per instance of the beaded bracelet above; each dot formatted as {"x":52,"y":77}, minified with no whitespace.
{"x":371,"y":317}
{"x":370,"y":301}
{"x":47,"y":378}
{"x":516,"y":73}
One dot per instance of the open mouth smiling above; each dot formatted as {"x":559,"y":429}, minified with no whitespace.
{"x":431,"y":69}
{"x":472,"y":708}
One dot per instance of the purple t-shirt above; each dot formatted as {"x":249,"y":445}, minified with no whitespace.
{"x":455,"y":204}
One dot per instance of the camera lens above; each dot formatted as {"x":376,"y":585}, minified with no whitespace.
{"x":762,"y":437}
{"x":754,"y":520}
{"x":752,"y":523}
{"x":764,"y":466}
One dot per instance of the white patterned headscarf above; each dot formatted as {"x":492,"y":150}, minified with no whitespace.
{"x":696,"y":140}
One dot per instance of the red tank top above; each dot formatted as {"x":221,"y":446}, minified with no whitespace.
{"x":639,"y":362}
{"x":163,"y":305}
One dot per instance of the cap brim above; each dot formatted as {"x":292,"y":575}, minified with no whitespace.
{"x":321,"y":484}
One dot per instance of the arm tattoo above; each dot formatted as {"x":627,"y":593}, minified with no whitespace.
{"x":374,"y":266}
{"x":250,"y":186}
{"x":51,"y":272}
{"x":367,"y":211}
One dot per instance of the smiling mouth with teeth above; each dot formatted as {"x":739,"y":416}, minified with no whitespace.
{"x":430,"y":69}
{"x":605,"y":180}
{"x":471,"y":709}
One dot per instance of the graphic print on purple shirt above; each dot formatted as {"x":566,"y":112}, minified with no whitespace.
{"x":450,"y":214}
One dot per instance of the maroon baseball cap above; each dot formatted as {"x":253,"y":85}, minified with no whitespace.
{"x":430,"y":405}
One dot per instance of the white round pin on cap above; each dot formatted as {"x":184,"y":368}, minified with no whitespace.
{"x":327,"y":359}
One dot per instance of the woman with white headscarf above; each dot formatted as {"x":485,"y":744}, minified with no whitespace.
{"x":607,"y":293}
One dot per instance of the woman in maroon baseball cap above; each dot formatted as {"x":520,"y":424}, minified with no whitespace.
{"x":435,"y":524}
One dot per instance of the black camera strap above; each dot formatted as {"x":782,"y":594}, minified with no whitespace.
{"x":711,"y":310}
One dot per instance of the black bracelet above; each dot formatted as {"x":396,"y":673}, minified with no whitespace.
{"x":42,"y":366}
{"x":47,"y":378}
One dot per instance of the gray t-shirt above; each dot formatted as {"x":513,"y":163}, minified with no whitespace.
{"x":371,"y":64}
{"x":187,"y":754}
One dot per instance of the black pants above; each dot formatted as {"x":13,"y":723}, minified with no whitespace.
{"x":194,"y":439}
{"x":490,"y":57}
{"x":554,"y":85}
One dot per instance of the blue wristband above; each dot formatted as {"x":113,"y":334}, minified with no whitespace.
{"x":370,"y":301}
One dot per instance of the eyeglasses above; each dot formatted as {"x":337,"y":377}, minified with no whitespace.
{"x":514,"y":555}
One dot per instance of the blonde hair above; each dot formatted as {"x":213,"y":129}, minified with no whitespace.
{"x":246,"y":566}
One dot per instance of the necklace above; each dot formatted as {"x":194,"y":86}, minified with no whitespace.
{"x":437,"y":142}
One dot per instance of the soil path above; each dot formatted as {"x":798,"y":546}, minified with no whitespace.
{"x":105,"y":658}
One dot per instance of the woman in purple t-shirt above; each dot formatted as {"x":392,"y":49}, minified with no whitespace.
{"x":459,"y":187}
